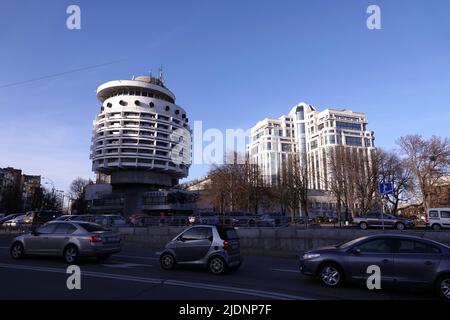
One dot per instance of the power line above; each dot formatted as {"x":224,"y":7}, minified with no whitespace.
{"x":59,"y":74}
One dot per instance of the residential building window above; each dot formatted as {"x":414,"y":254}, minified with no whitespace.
{"x":348,"y":126}
{"x":353,"y":141}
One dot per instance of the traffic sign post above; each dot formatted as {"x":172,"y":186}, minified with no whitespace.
{"x":385,"y":188}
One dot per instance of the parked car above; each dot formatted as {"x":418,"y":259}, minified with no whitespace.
{"x":66,"y":217}
{"x":404,"y":260}
{"x":176,"y":220}
{"x":111,"y":221}
{"x":9,"y":217}
{"x":85,"y":218}
{"x":228,"y":221}
{"x":214,"y":247}
{"x":37,"y":218}
{"x":376,"y":219}
{"x":70,"y":240}
{"x":438,"y":218}
{"x":15,"y":222}
{"x":136,"y":216}
{"x":145,"y":221}
{"x":204,"y":218}
{"x":272,"y":220}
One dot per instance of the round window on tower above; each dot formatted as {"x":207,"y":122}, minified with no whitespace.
{"x":151,"y":104}
{"x":109,"y":104}
{"x":137,"y":102}
{"x":167,"y":108}
{"x":123,"y":103}
{"x":177,"y":111}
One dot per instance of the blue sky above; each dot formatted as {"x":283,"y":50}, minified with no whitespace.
{"x":230,"y":63}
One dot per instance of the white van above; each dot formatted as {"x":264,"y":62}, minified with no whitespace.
{"x":438,"y":218}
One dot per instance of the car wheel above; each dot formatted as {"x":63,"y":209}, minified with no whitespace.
{"x":436,"y":226}
{"x":400,"y":226}
{"x":71,"y":254}
{"x":167,"y":261}
{"x":103,"y":256}
{"x":331,"y":275}
{"x":363,"y":225}
{"x":17,"y":251}
{"x":443,"y":287}
{"x":217,"y":265}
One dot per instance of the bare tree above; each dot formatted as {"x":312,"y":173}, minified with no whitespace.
{"x":292,"y":185}
{"x":337,"y":177}
{"x":428,"y":160}
{"x":395,"y":170}
{"x":352,"y":180}
{"x":236,"y":185}
{"x":77,"y":192}
{"x":77,"y":187}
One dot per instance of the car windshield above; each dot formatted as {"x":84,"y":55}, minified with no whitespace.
{"x":92,"y":227}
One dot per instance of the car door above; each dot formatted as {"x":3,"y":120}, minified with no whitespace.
{"x":445,"y":218}
{"x":415,"y":261}
{"x":388,"y":220}
{"x":37,"y":242}
{"x":372,"y":219}
{"x":58,"y":239}
{"x":378,"y":252}
{"x":193,"y":244}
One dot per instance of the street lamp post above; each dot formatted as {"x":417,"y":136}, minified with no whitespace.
{"x":50,"y":181}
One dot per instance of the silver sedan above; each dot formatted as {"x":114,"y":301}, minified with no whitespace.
{"x":69,"y":239}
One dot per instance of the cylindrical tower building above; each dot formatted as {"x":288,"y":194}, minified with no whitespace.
{"x":141,"y":138}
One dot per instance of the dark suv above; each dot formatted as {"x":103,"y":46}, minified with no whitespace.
{"x":212,"y":246}
{"x":37,"y":218}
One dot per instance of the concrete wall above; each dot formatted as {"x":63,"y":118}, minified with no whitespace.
{"x":287,"y":242}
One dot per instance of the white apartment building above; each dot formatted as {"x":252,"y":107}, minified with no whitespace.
{"x":305,"y":130}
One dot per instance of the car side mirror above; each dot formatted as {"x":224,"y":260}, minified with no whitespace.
{"x":180,"y":238}
{"x":211,"y":238}
{"x":356,"y":251}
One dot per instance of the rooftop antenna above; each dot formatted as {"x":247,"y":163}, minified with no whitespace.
{"x":161,"y":75}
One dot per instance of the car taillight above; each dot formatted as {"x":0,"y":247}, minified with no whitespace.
{"x":95,"y":239}
{"x":226,"y":245}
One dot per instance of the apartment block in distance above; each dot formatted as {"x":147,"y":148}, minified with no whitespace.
{"x":307,"y":132}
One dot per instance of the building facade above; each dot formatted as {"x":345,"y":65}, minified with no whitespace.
{"x":31,"y":186}
{"x":141,"y":143}
{"x":308,"y":133}
{"x":18,"y":192}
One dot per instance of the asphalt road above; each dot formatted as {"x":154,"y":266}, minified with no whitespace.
{"x":135,"y":274}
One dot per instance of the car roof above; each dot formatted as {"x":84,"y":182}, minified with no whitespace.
{"x":403,"y":236}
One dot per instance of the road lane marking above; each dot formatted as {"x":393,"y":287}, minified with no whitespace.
{"x":134,"y":257}
{"x":245,"y":291}
{"x":206,"y":286}
{"x":118,"y":264}
{"x":286,"y":270}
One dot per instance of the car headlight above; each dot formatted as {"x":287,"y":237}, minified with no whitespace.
{"x":308,"y":256}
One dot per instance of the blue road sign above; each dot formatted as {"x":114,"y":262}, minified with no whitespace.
{"x":386,"y":188}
